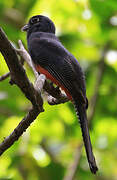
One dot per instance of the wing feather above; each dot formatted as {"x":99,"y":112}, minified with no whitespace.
{"x":52,"y":56}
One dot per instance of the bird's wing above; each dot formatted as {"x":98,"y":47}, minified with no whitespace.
{"x":52,"y":56}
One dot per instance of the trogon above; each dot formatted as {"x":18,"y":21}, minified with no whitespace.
{"x":51,"y":58}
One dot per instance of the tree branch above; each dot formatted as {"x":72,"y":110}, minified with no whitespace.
{"x":19,"y":77}
{"x":72,"y":168}
{"x":3,"y":77}
{"x":18,"y":131}
{"x":54,"y":101}
{"x":100,"y":74}
{"x":25,"y":55}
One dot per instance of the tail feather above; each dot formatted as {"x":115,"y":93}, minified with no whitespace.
{"x":81,"y":112}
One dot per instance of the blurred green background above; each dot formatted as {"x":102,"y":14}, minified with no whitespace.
{"x":88,"y":29}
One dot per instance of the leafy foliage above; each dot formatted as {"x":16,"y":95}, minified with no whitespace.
{"x":85,"y":27}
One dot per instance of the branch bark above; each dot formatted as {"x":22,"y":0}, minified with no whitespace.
{"x":18,"y":131}
{"x":17,"y":72}
{"x":3,"y":77}
{"x":19,"y":77}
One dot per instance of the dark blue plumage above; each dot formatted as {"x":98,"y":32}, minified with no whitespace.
{"x":59,"y":65}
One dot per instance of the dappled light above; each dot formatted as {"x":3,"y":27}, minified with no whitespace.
{"x":52,"y":145}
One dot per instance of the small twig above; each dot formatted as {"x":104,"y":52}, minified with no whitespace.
{"x":23,"y":53}
{"x":39,"y":83}
{"x":72,"y":169}
{"x":55,"y":101}
{"x":100,"y":73}
{"x":3,"y":77}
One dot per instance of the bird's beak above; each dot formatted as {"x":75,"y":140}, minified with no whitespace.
{"x":25,"y":28}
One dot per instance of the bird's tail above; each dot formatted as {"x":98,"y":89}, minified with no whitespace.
{"x":81,"y":112}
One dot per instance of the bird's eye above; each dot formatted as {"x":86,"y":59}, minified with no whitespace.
{"x":34,"y":20}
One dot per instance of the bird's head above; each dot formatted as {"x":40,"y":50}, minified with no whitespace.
{"x":39,"y":23}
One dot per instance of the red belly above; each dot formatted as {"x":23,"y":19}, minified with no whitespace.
{"x":49,"y":76}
